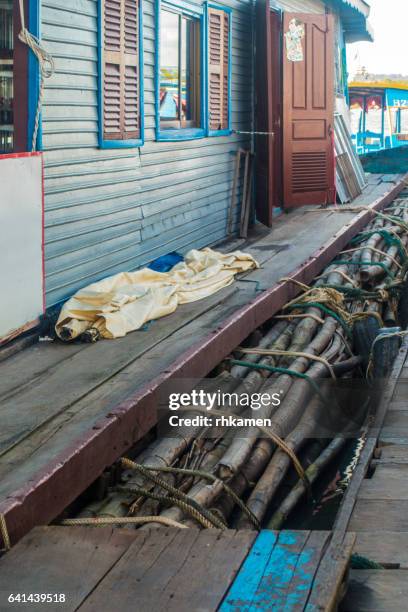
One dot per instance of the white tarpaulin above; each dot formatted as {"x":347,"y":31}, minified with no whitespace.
{"x":124,"y":302}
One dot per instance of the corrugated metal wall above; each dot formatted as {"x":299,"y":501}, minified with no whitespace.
{"x":110,"y":210}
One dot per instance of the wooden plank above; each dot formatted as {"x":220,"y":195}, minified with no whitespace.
{"x":305,"y":571}
{"x":29,"y":365}
{"x":327,"y":590}
{"x":401,"y":391}
{"x":390,"y":548}
{"x":400,"y":405}
{"x":279,"y":571}
{"x":86,"y":370}
{"x":142,"y":570}
{"x":180,"y":570}
{"x":379,"y":590}
{"x":209,"y":570}
{"x":394,"y":451}
{"x":67,"y":560}
{"x":243,"y":590}
{"x":387,"y":515}
{"x":387,"y":482}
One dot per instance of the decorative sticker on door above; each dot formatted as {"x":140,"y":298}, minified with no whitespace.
{"x":293,"y":37}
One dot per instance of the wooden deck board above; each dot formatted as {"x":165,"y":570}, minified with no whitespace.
{"x":68,"y":560}
{"x":65,"y":383}
{"x":377,"y":591}
{"x":392,"y":551}
{"x":292,"y":571}
{"x":388,"y":482}
{"x":380,"y":514}
{"x":193,"y":572}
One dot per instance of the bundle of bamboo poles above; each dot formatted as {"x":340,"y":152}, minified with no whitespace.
{"x":235,"y":478}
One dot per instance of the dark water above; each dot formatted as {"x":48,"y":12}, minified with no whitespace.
{"x":328,"y":492}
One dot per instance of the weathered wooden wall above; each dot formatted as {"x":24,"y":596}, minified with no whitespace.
{"x":112,"y":210}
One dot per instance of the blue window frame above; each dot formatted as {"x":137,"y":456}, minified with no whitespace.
{"x":120,"y":66}
{"x":219,"y":66}
{"x":34,"y":26}
{"x":181,"y":103}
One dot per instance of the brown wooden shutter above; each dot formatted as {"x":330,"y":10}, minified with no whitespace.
{"x":121,"y":84}
{"x":218,"y":68}
{"x":308,"y":86}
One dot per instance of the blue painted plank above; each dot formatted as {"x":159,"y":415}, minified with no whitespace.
{"x":244,"y":587}
{"x":273,"y":587}
{"x":305,"y":571}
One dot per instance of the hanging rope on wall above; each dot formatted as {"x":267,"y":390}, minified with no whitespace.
{"x":46,"y":65}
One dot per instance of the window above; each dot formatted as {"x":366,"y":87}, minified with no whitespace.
{"x":15,"y":67}
{"x":401,"y":127}
{"x":120,"y":74}
{"x":219,"y":70}
{"x":180,"y":71}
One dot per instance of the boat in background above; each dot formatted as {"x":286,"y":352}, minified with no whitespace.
{"x":379,"y":115}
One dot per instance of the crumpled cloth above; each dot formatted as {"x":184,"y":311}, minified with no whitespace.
{"x":126,"y":301}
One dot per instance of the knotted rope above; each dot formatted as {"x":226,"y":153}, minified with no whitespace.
{"x":4,"y":533}
{"x":46,"y":65}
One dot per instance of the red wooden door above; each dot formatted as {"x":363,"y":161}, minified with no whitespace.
{"x":268,"y":110}
{"x":308,"y":86}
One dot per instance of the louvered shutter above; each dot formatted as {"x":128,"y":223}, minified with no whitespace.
{"x":218,"y":68}
{"x":121,"y":84}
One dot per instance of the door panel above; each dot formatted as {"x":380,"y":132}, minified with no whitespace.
{"x":268,"y":111}
{"x":308,"y":85}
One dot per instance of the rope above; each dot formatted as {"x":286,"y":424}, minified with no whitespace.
{"x":400,"y":334}
{"x":270,"y":434}
{"x":300,"y":316}
{"x":188,"y":508}
{"x":374,"y":250}
{"x":323,"y":295}
{"x":294,"y":373}
{"x":254,"y":133}
{"x":123,"y":520}
{"x":286,"y":279}
{"x":388,"y":235}
{"x":204,"y":516}
{"x":257,"y":351}
{"x":206,"y":476}
{"x":380,"y":264}
{"x":341,"y":273}
{"x":46,"y":65}
{"x":329,"y":312}
{"x":4,"y":533}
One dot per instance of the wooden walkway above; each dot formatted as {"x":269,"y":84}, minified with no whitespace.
{"x":171,"y":570}
{"x":68,"y":411}
{"x":380,"y":508}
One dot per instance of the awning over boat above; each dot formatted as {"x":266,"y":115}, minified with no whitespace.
{"x":354,"y":15}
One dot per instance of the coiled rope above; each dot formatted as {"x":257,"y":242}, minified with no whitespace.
{"x":46,"y":65}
